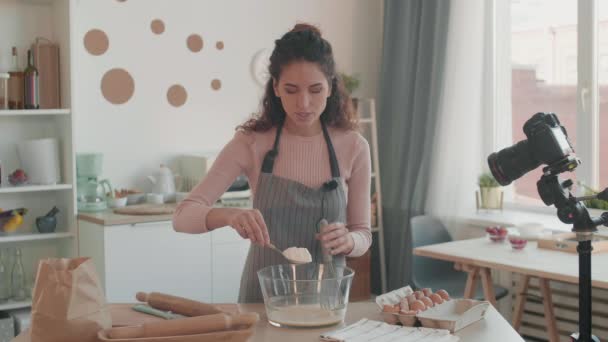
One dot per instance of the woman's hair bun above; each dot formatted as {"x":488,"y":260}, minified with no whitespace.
{"x":306,"y":27}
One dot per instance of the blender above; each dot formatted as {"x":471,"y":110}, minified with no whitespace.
{"x":91,"y":191}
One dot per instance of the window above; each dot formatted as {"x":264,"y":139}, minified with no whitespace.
{"x":543,"y":72}
{"x":603,"y":93}
{"x":556,"y":65}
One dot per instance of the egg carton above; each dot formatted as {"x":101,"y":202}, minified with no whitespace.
{"x":392,"y":298}
{"x":452,"y":314}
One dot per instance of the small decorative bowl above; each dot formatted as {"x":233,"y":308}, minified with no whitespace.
{"x":136,"y":198}
{"x":46,"y":224}
{"x":518,"y":243}
{"x":117,"y":202}
{"x":497,"y":233}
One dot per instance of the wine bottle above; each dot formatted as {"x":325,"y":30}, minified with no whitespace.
{"x":15,"y":61}
{"x":31,"y":90}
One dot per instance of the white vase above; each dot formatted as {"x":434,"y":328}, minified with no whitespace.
{"x":40,"y":160}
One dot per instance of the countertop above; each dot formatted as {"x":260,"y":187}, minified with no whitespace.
{"x":485,"y":330}
{"x":109,"y":218}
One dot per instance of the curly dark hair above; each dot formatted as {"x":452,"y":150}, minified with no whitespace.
{"x":304,"y":43}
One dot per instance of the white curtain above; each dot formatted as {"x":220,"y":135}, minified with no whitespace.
{"x":458,"y":155}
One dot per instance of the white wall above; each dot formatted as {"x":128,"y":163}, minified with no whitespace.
{"x":138,"y":135}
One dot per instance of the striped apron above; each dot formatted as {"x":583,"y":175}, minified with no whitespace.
{"x":292,"y":212}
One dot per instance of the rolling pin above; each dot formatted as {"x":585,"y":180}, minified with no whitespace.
{"x":178,"y":305}
{"x":186,"y":326}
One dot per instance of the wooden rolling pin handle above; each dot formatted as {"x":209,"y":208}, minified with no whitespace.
{"x":185,"y":326}
{"x":179,"y":305}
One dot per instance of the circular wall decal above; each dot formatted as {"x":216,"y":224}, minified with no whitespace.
{"x":219,"y":45}
{"x":157,"y":26}
{"x":195,"y":43}
{"x":96,"y":42}
{"x":216,"y":84}
{"x":259,"y":66}
{"x":177,"y":95}
{"x":117,"y":86}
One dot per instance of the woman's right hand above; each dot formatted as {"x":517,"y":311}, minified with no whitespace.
{"x":249,"y":223}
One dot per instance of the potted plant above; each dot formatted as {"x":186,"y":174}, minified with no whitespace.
{"x":593,"y":203}
{"x":490,"y":194}
{"x":351,"y":83}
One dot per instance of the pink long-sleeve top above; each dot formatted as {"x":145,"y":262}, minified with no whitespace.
{"x":302,"y":159}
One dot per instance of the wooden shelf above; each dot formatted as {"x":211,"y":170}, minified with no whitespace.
{"x":34,"y":188}
{"x":34,"y":112}
{"x":11,"y":304}
{"x":4,"y":238}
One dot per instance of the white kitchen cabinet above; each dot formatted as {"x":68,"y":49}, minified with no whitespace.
{"x":153,"y":257}
{"x":229,"y":252}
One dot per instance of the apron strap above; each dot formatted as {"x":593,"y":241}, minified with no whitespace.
{"x":333,"y":160}
{"x":269,"y":158}
{"x":268,"y":163}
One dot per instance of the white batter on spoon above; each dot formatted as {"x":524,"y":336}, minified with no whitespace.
{"x":301,"y":255}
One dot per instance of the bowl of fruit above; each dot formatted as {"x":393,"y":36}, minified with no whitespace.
{"x":517,"y":242}
{"x":18,"y":177}
{"x":497,"y":233}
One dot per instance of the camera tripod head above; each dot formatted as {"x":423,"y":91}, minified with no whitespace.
{"x":570,"y":209}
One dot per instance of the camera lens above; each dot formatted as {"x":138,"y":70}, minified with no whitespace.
{"x":512,"y":162}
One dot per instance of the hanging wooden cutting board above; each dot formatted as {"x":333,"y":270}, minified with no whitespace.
{"x":147,"y":209}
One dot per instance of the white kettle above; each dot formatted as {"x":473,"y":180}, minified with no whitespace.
{"x":163,"y":181}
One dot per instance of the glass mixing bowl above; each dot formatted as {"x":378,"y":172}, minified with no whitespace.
{"x":308,"y":295}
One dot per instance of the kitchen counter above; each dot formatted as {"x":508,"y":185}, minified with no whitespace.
{"x":109,"y":218}
{"x":488,"y":329}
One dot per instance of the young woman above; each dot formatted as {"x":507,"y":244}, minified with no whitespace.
{"x":305,"y":162}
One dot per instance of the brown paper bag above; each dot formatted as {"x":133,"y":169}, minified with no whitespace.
{"x":68,"y":303}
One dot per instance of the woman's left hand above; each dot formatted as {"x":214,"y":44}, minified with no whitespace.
{"x":336,"y":238}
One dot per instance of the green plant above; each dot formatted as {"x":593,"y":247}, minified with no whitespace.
{"x":593,"y":203}
{"x":351,"y":82}
{"x":486,"y":180}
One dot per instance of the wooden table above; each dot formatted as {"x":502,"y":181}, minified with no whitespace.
{"x":488,"y":329}
{"x":478,"y":256}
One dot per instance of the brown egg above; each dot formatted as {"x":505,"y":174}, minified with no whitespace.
{"x":404,"y":305}
{"x":410,"y":298}
{"x":427,"y":301}
{"x":427,"y":291}
{"x":418,"y":305}
{"x":389,"y":308}
{"x":436,"y":298}
{"x":444,"y":294}
{"x":418,"y":294}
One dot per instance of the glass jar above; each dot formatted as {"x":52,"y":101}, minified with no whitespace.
{"x":4,"y":90}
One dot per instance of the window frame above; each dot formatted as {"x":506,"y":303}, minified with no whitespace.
{"x":498,"y":125}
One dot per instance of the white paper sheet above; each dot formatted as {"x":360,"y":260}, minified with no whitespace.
{"x":366,"y":330}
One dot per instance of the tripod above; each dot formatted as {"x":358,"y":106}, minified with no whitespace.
{"x":572,"y":210}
